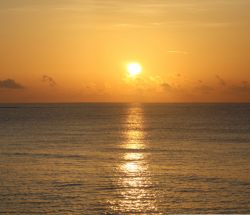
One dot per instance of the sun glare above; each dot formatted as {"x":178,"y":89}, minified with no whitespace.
{"x":134,"y":69}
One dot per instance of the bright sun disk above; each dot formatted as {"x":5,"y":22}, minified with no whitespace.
{"x":134,"y":69}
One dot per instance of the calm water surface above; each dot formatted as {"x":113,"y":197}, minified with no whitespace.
{"x":124,"y":158}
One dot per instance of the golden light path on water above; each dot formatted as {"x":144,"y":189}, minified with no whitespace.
{"x":135,"y":178}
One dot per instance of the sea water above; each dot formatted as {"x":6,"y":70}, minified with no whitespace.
{"x":124,"y":158}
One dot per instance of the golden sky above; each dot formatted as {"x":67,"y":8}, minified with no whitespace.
{"x":79,"y":50}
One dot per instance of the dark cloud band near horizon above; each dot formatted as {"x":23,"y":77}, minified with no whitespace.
{"x":10,"y":84}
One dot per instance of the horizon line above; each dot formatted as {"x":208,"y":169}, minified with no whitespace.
{"x":23,"y":103}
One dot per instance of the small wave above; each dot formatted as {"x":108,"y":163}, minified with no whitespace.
{"x":45,"y":155}
{"x":70,"y":185}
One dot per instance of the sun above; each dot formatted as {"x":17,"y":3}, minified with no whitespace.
{"x":134,"y":69}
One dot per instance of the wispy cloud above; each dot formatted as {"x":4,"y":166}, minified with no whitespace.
{"x":49,"y":80}
{"x":221,"y":80}
{"x":135,"y":25}
{"x":177,"y":52}
{"x":136,"y":14}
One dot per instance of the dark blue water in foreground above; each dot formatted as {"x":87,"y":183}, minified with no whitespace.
{"x":124,"y":158}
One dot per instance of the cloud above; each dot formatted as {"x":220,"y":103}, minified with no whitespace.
{"x":49,"y":80}
{"x":203,"y":88}
{"x":10,"y":84}
{"x":177,"y":52}
{"x":221,"y":81}
{"x":95,"y":89}
{"x":166,"y":86}
{"x":244,"y":87}
{"x":134,"y":26}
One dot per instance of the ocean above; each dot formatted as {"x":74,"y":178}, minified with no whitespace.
{"x":124,"y":158}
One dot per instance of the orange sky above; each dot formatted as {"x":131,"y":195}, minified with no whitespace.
{"x":78,"y":50}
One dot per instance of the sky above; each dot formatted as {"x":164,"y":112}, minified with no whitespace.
{"x":79,"y":50}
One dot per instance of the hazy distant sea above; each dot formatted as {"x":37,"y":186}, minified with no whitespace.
{"x":124,"y":158}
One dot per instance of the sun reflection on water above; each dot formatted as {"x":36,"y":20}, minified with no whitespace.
{"x":134,"y":181}
{"x":133,"y":156}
